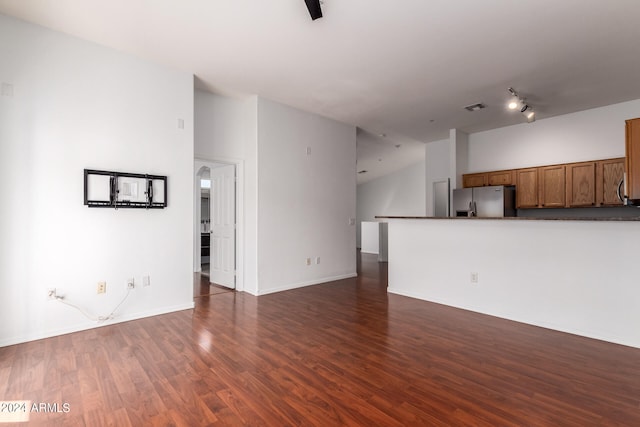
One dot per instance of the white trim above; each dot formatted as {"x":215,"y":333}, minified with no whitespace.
{"x":239,"y":164}
{"x":307,"y":283}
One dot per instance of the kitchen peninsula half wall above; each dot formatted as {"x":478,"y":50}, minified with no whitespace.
{"x":568,"y":275}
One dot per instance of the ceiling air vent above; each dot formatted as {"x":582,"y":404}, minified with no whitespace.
{"x":475,"y":107}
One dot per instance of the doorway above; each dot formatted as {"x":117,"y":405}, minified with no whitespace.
{"x":215,"y":231}
{"x":205,"y":220}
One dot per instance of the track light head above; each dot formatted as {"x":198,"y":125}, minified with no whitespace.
{"x":515,"y":101}
{"x":528,"y":112}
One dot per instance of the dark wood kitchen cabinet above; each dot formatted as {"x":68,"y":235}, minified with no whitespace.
{"x":632,"y":158}
{"x":581,"y":184}
{"x":483,"y":179}
{"x":475,"y":180}
{"x":609,"y":175}
{"x":552,"y":186}
{"x":205,"y":240}
{"x":568,"y":185}
{"x":502,"y":178}
{"x":527,"y":188}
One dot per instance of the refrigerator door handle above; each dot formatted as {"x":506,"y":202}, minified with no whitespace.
{"x":620,"y":189}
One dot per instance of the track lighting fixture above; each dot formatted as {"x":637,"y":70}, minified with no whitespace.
{"x":519,"y":103}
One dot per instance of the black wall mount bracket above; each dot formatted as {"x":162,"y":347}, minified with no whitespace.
{"x":109,"y":189}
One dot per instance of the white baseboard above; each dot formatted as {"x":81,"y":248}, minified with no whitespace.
{"x":306,"y":283}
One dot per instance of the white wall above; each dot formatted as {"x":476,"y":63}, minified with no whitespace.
{"x":571,"y":276}
{"x":586,"y":135}
{"x":226,"y":130}
{"x":399,"y":193}
{"x":295,"y":206}
{"x":370,"y":237}
{"x":304,"y":201}
{"x":77,"y":105}
{"x":458,"y":156}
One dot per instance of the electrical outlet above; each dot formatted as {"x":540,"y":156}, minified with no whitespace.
{"x":474,"y":277}
{"x":317,"y":260}
{"x":6,"y":89}
{"x":102,"y":287}
{"x":52,"y":293}
{"x":308,"y":261}
{"x":146,"y":281}
{"x":131,"y":283}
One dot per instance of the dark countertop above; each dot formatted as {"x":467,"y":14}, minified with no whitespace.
{"x":512,"y":218}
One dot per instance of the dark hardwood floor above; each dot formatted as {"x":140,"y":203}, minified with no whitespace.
{"x":341,"y":353}
{"x":202,"y":287}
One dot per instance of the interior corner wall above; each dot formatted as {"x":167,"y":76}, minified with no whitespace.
{"x":226,"y":130}
{"x":592,"y":134}
{"x":399,"y":193}
{"x":77,"y":105}
{"x":437,"y":168}
{"x":306,"y":197}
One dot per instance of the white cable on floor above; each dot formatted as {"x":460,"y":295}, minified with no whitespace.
{"x":87,"y":315}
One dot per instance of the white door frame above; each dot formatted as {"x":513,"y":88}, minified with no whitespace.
{"x":210,"y":163}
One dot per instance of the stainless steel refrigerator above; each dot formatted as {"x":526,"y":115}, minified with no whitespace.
{"x":495,"y":201}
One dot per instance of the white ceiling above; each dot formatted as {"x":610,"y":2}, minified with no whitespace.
{"x":403,"y":68}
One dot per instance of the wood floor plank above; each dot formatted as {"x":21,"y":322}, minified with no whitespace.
{"x":241,"y":409}
{"x":343,"y":353}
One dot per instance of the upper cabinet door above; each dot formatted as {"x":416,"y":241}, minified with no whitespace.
{"x":474,"y":180}
{"x":527,"y":188}
{"x":502,"y":178}
{"x":552,"y":186}
{"x":581,"y":184}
